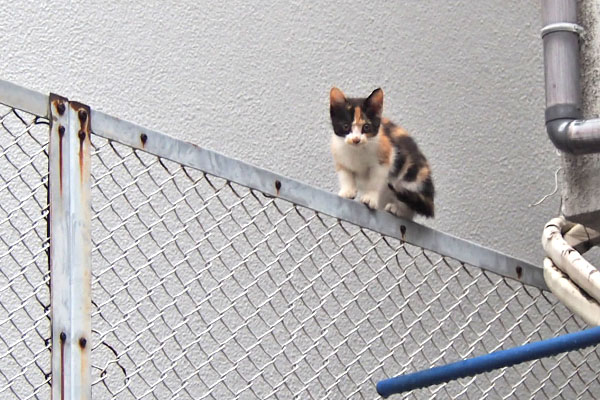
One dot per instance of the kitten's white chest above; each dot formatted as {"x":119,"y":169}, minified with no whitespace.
{"x":358,"y":159}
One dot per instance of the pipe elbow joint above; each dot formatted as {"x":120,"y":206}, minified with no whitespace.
{"x":558,"y":132}
{"x":575,"y":136}
{"x":559,"y":118}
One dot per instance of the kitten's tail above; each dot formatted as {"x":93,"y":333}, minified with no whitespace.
{"x":420,"y":201}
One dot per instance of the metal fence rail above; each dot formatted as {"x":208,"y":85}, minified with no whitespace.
{"x":214,"y":279}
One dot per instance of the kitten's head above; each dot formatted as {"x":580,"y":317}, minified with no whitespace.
{"x":355,"y":120}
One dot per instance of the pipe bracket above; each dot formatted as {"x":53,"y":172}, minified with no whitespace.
{"x":563,"y":27}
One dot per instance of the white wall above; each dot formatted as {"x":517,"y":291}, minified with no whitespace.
{"x":251,"y":80}
{"x":581,"y":174}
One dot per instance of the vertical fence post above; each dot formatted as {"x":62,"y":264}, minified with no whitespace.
{"x":70,"y":248}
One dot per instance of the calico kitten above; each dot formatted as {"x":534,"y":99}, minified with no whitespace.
{"x":376,"y":159}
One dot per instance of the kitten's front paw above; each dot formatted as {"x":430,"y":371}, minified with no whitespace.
{"x":371,"y":200}
{"x":399,"y":210}
{"x":348,"y":193}
{"x":392,"y":208}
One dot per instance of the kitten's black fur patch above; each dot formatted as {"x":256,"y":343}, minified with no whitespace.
{"x":406,"y":149}
{"x":341,"y":115}
{"x":398,"y":164}
{"x":416,"y":201}
{"x":387,"y":128}
{"x":428,"y":190}
{"x":411,"y":173}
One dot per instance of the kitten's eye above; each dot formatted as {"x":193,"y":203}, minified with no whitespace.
{"x":366,"y":128}
{"x":346,"y":127}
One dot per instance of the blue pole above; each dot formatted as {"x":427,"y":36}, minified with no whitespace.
{"x":489,"y":362}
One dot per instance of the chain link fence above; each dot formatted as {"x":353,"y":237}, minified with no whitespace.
{"x":207,"y":289}
{"x":203,"y":288}
{"x":24,"y":275}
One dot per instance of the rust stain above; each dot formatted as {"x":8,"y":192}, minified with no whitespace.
{"x":61,"y":135}
{"x":83,"y":113}
{"x":277,"y":187}
{"x":81,"y":140}
{"x":63,"y":338}
{"x":84,"y":356}
{"x":60,"y":107}
{"x":58,"y":103}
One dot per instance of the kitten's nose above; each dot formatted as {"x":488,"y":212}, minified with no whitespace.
{"x":356,"y":140}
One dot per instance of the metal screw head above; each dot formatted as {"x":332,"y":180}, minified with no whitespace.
{"x":82,"y":115}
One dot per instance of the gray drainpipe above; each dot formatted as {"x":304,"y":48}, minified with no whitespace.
{"x":564,"y":124}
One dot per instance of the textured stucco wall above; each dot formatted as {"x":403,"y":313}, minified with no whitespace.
{"x":581,"y":177}
{"x":251,"y":80}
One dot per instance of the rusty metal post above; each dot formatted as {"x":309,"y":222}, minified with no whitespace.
{"x":70,"y":248}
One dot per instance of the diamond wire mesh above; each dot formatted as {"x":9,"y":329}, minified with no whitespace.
{"x":207,"y":289}
{"x":24,"y":275}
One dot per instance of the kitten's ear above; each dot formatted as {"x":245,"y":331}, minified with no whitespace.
{"x":374,"y":103}
{"x":336,"y":97}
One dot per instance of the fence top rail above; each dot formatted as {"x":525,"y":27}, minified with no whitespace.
{"x":276,"y":185}
{"x":23,"y":99}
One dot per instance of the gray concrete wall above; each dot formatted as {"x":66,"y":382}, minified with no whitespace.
{"x":251,"y":80}
{"x":581,"y":177}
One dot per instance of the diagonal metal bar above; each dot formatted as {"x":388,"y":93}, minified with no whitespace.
{"x":319,"y":200}
{"x":23,"y":99}
{"x":289,"y":189}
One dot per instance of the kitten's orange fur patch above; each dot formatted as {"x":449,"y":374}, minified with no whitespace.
{"x":384,"y":152}
{"x":424,"y":173}
{"x":336,"y":96}
{"x":357,"y":117}
{"x":399,"y":131}
{"x":395,"y":131}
